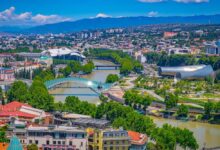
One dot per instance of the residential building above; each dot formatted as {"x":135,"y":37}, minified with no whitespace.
{"x":7,"y":74}
{"x":57,"y":137}
{"x":169,"y":34}
{"x":109,"y":139}
{"x":213,"y":48}
{"x":138,"y":141}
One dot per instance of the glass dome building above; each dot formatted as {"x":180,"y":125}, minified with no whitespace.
{"x":187,"y":72}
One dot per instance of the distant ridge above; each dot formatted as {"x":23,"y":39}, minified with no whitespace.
{"x":103,"y":23}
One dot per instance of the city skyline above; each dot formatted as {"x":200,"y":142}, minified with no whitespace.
{"x":29,"y":13}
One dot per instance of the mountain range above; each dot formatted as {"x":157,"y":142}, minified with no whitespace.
{"x":103,"y":23}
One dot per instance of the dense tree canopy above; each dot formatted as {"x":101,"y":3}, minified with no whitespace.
{"x":2,"y":96}
{"x":182,"y":111}
{"x":126,"y":117}
{"x":133,"y":98}
{"x":39,"y":96}
{"x":32,"y":147}
{"x":111,"y":78}
{"x":168,"y":137}
{"x":75,"y":67}
{"x":73,"y":104}
{"x":171,"y":100}
{"x":18,"y":91}
{"x":3,"y":138}
{"x":127,"y":63}
{"x":163,"y":59}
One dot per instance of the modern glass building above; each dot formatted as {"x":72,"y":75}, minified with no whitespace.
{"x":187,"y":72}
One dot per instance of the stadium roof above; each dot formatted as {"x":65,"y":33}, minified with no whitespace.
{"x":62,"y":51}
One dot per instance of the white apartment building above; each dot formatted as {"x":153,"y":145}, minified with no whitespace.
{"x":57,"y":138}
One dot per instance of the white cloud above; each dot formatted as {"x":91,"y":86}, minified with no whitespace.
{"x":191,"y":1}
{"x":43,"y":19}
{"x":152,"y":14}
{"x":9,"y":17}
{"x":150,"y":1}
{"x":102,"y":15}
{"x":24,"y":16}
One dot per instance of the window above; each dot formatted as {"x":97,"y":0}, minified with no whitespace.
{"x":54,"y":142}
{"x":81,"y":144}
{"x":70,"y":143}
{"x":30,"y":141}
{"x":36,"y":141}
{"x":63,"y":142}
{"x":48,"y":142}
{"x":59,"y":142}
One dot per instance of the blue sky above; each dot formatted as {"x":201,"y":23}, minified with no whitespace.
{"x":37,"y":12}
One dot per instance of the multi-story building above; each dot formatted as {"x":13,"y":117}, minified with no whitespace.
{"x":57,"y":137}
{"x":213,"y":48}
{"x":7,"y":74}
{"x":109,"y":139}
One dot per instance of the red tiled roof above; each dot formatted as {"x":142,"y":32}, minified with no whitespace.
{"x":137,"y":138}
{"x":12,"y":110}
{"x":13,"y":106}
{"x":16,"y":114}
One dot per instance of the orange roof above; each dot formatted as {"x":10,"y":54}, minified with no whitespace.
{"x":137,"y":138}
{"x":3,"y":146}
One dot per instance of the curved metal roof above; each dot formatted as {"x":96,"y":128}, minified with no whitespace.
{"x":184,"y":72}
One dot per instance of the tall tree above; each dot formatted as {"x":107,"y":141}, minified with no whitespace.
{"x":18,"y":91}
{"x":40,"y":98}
{"x":2,"y":96}
{"x":183,"y":110}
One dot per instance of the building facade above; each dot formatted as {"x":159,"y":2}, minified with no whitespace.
{"x":7,"y":74}
{"x":57,"y":137}
{"x":213,"y":48}
{"x":109,"y":139}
